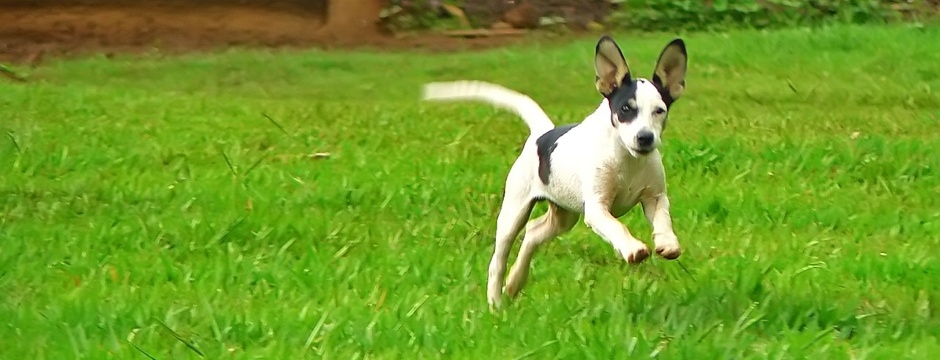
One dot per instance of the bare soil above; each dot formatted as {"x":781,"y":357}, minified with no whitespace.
{"x":31,"y":30}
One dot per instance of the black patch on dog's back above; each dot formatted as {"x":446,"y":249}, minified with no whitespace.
{"x":545,"y":144}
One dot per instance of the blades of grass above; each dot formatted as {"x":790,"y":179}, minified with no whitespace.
{"x":345,"y":249}
{"x":286,"y":246}
{"x":460,"y":136}
{"x":278,"y":125}
{"x":141,"y":350}
{"x":316,"y":330}
{"x":228,"y":161}
{"x":11,"y":74}
{"x":708,"y":331}
{"x":417,"y":306}
{"x":224,"y":233}
{"x":631,"y":346}
{"x":818,"y":337}
{"x":815,"y":265}
{"x":214,"y":323}
{"x":756,"y":99}
{"x":180,"y":338}
{"x":74,"y":342}
{"x":745,"y":321}
{"x":792,"y":87}
{"x":255,"y":164}
{"x":15,"y":143}
{"x":686,"y":270}
{"x":534,"y":351}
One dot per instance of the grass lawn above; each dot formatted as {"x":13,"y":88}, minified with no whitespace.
{"x":148,"y":207}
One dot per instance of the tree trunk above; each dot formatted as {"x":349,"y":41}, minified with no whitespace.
{"x":353,"y":18}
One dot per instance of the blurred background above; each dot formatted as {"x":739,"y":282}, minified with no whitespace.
{"x":33,"y":29}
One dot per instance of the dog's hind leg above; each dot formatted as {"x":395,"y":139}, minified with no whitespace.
{"x":515,"y":210}
{"x":555,"y":222}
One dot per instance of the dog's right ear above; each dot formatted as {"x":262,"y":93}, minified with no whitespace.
{"x":609,"y":66}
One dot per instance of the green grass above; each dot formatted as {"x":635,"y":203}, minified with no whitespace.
{"x":802,"y":165}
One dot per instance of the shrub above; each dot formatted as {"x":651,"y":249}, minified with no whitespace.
{"x":658,"y":15}
{"x":723,"y":14}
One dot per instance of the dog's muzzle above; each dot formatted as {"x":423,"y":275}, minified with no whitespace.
{"x":645,"y":141}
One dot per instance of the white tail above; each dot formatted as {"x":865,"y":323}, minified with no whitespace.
{"x":496,"y":95}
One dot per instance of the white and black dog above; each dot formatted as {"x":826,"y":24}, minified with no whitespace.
{"x":601,"y":167}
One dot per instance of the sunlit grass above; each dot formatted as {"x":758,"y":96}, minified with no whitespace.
{"x":149,"y":205}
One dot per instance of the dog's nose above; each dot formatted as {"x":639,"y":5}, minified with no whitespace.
{"x":645,"y":138}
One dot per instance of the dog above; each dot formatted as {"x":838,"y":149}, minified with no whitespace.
{"x":599,"y":168}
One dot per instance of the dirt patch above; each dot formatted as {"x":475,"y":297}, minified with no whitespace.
{"x":33,"y":30}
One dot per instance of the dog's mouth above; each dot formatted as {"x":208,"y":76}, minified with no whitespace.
{"x":641,"y":151}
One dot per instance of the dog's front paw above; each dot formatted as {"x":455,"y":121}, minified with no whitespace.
{"x":636,"y":253}
{"x":667,"y":246}
{"x":495,"y":302}
{"x":494,"y":296}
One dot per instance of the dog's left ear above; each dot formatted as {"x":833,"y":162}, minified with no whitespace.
{"x":670,"y":69}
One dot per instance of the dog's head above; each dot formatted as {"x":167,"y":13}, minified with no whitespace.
{"x":639,"y":107}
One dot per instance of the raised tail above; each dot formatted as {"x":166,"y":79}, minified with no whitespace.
{"x":496,"y":95}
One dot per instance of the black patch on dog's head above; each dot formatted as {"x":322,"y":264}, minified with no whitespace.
{"x":613,"y":77}
{"x":544,"y":146}
{"x":622,"y":102}
{"x":663,"y":92}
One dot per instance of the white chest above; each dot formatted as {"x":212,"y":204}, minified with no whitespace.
{"x":634,"y":182}
{"x":627,"y":197}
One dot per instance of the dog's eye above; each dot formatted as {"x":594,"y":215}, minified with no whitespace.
{"x":625,"y":108}
{"x":659,"y":111}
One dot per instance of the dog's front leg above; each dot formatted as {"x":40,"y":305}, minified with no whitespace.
{"x":599,"y":192}
{"x":656,"y":209}
{"x":597,"y":216}
{"x":599,"y":219}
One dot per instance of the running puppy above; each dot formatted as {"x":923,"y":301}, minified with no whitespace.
{"x":601,"y":167}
